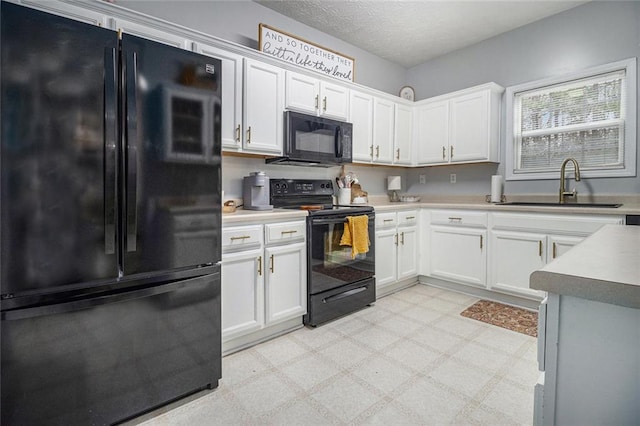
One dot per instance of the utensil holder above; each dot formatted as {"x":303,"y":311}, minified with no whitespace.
{"x":344,"y":196}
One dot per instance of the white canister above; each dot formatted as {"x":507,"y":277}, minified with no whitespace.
{"x":344,"y":196}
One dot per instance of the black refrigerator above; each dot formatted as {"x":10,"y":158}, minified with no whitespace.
{"x":110,"y":180}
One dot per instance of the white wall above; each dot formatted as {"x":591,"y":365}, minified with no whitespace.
{"x":588,"y":35}
{"x":372,"y":179}
{"x":237,"y":21}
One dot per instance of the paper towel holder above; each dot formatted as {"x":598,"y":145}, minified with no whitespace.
{"x":394,"y":183}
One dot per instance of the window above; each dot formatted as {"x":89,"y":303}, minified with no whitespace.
{"x":589,"y":116}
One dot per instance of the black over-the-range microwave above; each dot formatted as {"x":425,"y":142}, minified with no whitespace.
{"x":314,"y":141}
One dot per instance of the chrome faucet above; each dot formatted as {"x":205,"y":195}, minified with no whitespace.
{"x":563,"y":192}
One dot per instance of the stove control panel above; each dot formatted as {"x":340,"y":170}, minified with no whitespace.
{"x":292,"y":187}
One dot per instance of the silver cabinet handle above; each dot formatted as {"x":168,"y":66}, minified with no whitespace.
{"x":402,"y":238}
{"x":288,"y":232}
{"x":260,"y":265}
{"x":271,"y":263}
{"x":238,"y":134}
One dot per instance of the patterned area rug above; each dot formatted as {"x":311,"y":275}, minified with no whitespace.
{"x":509,"y":317}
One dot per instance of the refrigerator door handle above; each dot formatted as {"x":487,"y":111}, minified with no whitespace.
{"x":132,"y":148}
{"x":76,"y":305}
{"x":110,"y":145}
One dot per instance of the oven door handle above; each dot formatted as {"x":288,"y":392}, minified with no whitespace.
{"x":345,"y":294}
{"x":342,"y":219}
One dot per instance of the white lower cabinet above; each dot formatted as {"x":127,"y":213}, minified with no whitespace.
{"x":458,"y":254}
{"x":286,"y":271}
{"x":396,"y":246}
{"x":458,"y":246}
{"x":515,"y":255}
{"x":242,"y":293}
{"x":522,"y":243}
{"x":264,"y":280}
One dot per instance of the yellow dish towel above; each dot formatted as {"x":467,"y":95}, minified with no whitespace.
{"x":356,"y":235}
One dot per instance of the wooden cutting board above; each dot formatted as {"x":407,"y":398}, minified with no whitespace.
{"x":312,"y":207}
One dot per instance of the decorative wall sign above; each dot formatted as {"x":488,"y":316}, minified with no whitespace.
{"x":297,"y":51}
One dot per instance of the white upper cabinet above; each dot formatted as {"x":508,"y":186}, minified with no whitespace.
{"x":361,"y":116}
{"x":403,"y":136}
{"x":432,"y":132}
{"x":263,"y":107}
{"x":68,"y":11}
{"x":231,"y":124}
{"x":312,"y":96}
{"x":383,"y":130}
{"x":461,"y":127}
{"x":373,"y":128}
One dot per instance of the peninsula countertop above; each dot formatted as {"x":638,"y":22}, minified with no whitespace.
{"x":605,"y":267}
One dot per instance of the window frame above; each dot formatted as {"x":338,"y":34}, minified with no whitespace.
{"x":629,"y":135}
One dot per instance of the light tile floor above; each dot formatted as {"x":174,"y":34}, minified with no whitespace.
{"x":409,"y":359}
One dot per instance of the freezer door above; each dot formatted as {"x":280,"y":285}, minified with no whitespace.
{"x":102,"y":360}
{"x":58,"y":151}
{"x":171,"y":178}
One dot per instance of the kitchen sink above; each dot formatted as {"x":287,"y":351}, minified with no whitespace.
{"x":556,"y":204}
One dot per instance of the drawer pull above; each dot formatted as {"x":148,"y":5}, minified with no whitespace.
{"x":554,"y":250}
{"x":410,"y":217}
{"x":289,"y":232}
{"x":260,"y":265}
{"x":455,"y":219}
{"x":540,"y":248}
{"x":244,"y":237}
{"x":387,"y":220}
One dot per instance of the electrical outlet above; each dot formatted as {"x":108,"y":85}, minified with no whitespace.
{"x":452,"y":178}
{"x":423,"y":179}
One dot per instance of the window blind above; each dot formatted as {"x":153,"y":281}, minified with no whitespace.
{"x":583,"y":119}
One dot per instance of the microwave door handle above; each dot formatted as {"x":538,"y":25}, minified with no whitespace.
{"x":338,"y":142}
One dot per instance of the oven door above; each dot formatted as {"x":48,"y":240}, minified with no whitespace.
{"x":330,"y":265}
{"x":317,"y":139}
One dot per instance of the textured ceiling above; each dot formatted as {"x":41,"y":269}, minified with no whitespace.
{"x":409,"y":33}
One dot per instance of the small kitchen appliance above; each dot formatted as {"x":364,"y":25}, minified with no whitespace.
{"x":315,"y":141}
{"x":394,"y":184}
{"x":255,"y":191}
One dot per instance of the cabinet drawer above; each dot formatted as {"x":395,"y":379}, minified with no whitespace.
{"x":579,"y":224}
{"x":241,"y":237}
{"x":284,"y":232}
{"x":408,"y":218}
{"x":386,"y":220}
{"x":459,"y":218}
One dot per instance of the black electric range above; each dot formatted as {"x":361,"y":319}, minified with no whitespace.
{"x":337,"y":282}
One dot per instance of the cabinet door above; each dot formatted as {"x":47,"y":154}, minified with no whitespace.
{"x":334,"y":101}
{"x":514,"y":256}
{"x":383,"y":112}
{"x":560,"y":244}
{"x":242,"y":293}
{"x":286,"y":282}
{"x":231,"y":120}
{"x":407,"y":252}
{"x":302,"y":93}
{"x":403,"y":135}
{"x":263,"y":107}
{"x":361,"y":116}
{"x":68,"y":11}
{"x":136,"y":29}
{"x":386,"y":252}
{"x":459,"y":254}
{"x":469,"y":131}
{"x":432,"y":129}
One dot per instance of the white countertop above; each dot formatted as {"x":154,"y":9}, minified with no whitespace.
{"x":605,"y":267}
{"x":380,"y":203}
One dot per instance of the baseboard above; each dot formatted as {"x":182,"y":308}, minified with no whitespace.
{"x":395,"y":287}
{"x":507,"y":299}
{"x":267,"y":333}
